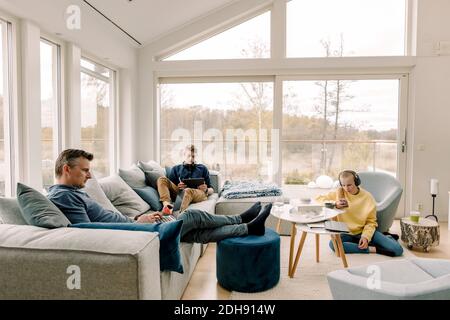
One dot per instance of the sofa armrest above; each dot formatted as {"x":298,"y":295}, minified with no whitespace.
{"x":346,"y":286}
{"x":72,"y":263}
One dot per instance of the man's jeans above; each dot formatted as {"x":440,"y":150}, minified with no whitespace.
{"x":350,"y":243}
{"x":202,"y":227}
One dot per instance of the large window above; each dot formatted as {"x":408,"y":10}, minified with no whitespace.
{"x":322,"y":28}
{"x":97,"y":115}
{"x":331,"y":125}
{"x":50,"y":102}
{"x":250,"y":39}
{"x":5,"y":137}
{"x":229,"y":122}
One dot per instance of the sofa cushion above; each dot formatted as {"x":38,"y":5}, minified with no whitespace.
{"x":151,"y":196}
{"x":151,"y":166}
{"x":134,"y":176}
{"x":122,"y":196}
{"x":96,"y":193}
{"x":151,"y":178}
{"x":169,"y":238}
{"x":10,"y":212}
{"x":168,"y":171}
{"x":39,"y":211}
{"x":396,"y":271}
{"x":435,"y":267}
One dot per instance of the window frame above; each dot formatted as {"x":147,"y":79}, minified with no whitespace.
{"x":113,"y":98}
{"x":58,"y":120}
{"x":216,"y":31}
{"x":403,"y":79}
{"x":206,"y":79}
{"x":10,"y":112}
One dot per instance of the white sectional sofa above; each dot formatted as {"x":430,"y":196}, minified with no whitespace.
{"x":114,"y":264}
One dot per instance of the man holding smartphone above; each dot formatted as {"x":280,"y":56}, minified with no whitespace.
{"x":169,"y":188}
{"x":361,"y":218}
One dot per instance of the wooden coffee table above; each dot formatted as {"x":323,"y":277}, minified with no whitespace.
{"x":298,"y":223}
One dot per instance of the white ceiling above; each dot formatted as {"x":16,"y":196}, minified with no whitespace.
{"x":147,"y":20}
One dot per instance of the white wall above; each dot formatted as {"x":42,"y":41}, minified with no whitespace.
{"x":127,"y":115}
{"x":146,"y":112}
{"x":429,"y":108}
{"x":31,"y":104}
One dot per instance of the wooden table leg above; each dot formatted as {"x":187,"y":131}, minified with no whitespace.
{"x":341,"y":249}
{"x":299,"y":251}
{"x":335,"y":246}
{"x":317,"y":247}
{"x":278,"y":226}
{"x":291,"y":249}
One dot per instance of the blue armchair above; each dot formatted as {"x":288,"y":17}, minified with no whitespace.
{"x":387,"y":192}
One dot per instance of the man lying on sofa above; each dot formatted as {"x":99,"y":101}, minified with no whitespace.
{"x":72,"y":169}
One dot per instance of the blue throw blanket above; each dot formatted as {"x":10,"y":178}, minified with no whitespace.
{"x":250,"y":189}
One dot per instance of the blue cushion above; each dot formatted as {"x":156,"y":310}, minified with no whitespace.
{"x":39,"y":211}
{"x":169,"y":239}
{"x":249,"y":264}
{"x":168,"y":171}
{"x":151,"y":196}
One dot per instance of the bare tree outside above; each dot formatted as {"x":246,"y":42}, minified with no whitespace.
{"x":255,"y":94}
{"x":335,"y":95}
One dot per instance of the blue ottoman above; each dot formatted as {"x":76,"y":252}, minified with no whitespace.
{"x":249,"y":264}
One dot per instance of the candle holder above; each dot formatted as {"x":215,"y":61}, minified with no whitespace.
{"x":432,"y":215}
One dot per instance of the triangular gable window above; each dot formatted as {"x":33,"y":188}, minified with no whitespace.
{"x":250,"y":39}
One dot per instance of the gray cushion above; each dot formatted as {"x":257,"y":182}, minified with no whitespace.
{"x":435,"y":267}
{"x":151,"y":178}
{"x":39,"y":211}
{"x":95,"y":192}
{"x":151,"y":166}
{"x":134,"y":177}
{"x":396,"y":271}
{"x":151,"y":196}
{"x":122,"y":196}
{"x":10,"y":212}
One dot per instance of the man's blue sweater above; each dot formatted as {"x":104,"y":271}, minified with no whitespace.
{"x":79,"y":207}
{"x":182,"y":171}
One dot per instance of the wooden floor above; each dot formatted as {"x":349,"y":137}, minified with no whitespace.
{"x":203,"y":284}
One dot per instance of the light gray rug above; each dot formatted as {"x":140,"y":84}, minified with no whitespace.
{"x":310,"y":281}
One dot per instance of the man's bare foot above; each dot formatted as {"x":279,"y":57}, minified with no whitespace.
{"x":372,"y":249}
